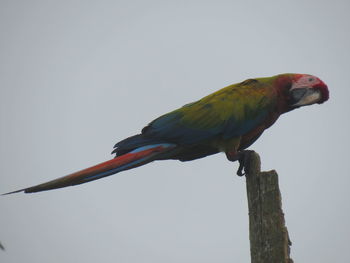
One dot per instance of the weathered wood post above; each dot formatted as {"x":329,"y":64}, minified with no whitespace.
{"x":269,"y":240}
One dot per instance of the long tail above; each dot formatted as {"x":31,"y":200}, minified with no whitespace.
{"x":135,"y":158}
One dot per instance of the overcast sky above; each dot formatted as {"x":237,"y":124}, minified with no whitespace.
{"x":78,"y":76}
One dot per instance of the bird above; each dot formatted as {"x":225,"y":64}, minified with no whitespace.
{"x":2,"y":247}
{"x":228,"y":120}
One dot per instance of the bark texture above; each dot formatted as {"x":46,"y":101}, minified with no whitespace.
{"x":269,"y":240}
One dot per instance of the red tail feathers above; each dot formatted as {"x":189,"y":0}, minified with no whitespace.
{"x":127,"y":161}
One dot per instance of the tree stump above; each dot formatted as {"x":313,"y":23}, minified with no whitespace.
{"x":269,"y":240}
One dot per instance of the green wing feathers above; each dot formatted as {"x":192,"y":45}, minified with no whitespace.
{"x":227,"y":113}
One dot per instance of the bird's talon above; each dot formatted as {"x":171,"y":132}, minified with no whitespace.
{"x":243,"y":161}
{"x":240,"y":171}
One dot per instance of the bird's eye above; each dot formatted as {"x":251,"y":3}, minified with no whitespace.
{"x":311,"y":79}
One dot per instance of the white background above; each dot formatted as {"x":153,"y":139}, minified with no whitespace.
{"x":78,"y":76}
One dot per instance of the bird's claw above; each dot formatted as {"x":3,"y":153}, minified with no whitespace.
{"x":243,"y":162}
{"x":240,"y":171}
{"x":242,"y":157}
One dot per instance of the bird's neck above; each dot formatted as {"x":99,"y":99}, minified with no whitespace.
{"x":282,"y":84}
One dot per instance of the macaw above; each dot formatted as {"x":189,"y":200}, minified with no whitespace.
{"x":228,"y":120}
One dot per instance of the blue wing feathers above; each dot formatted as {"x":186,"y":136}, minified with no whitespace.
{"x":196,"y":123}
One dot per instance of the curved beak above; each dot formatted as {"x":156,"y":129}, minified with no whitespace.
{"x":304,"y":96}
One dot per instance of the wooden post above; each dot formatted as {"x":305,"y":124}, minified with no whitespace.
{"x":269,"y":240}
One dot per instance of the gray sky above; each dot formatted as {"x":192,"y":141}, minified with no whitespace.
{"x":78,"y":76}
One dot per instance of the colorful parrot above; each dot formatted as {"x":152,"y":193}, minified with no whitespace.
{"x":228,"y":121}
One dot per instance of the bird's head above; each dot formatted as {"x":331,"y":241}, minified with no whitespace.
{"x":297,"y":90}
{"x":306,"y":90}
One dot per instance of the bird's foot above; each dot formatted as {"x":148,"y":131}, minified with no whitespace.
{"x":243,"y":159}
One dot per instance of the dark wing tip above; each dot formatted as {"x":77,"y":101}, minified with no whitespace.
{"x":115,"y":150}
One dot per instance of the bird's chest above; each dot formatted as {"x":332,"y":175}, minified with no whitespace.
{"x":250,"y":137}
{"x":248,"y":134}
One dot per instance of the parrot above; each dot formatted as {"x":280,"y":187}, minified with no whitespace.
{"x":228,"y":120}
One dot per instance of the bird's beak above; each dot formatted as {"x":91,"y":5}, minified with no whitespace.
{"x":304,"y":96}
